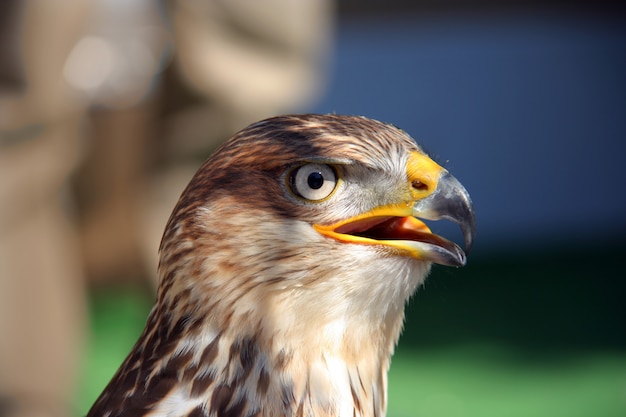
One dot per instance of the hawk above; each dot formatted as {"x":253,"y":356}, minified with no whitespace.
{"x":284,"y":270}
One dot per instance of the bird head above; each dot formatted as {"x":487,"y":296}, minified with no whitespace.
{"x":286,"y":264}
{"x":315,"y":208}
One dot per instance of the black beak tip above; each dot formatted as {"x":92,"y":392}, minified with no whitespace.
{"x":469,"y":232}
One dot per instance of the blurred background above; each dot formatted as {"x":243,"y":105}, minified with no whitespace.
{"x":107,"y":108}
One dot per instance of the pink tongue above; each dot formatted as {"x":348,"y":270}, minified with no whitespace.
{"x":439,"y":249}
{"x":388,"y":228}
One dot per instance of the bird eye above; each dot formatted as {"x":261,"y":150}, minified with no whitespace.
{"x":313,"y":181}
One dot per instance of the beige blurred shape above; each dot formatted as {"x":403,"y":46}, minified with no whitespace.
{"x":42,"y":311}
{"x":109,"y":106}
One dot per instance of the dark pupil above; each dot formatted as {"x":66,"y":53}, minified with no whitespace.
{"x":315,"y":180}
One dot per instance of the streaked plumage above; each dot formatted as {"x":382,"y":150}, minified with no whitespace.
{"x":270,"y":304}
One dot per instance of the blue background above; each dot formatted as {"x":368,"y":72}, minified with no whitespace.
{"x":527,"y":109}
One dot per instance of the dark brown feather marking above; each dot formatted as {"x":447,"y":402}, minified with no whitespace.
{"x":236,"y":409}
{"x":210,"y":352}
{"x":160,"y":385}
{"x":190,"y":372}
{"x":220,"y":399}
{"x":180,"y":361}
{"x":248,"y":353}
{"x":263,"y":383}
{"x":201,"y":384}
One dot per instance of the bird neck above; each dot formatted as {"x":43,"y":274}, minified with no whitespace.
{"x":327,"y":362}
{"x":283,"y":337}
{"x":265,"y":375}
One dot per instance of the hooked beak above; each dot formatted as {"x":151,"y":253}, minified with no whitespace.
{"x":435,"y":195}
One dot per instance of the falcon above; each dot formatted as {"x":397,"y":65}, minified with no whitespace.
{"x":284,"y":270}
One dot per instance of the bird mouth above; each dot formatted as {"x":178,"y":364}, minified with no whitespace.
{"x":395,"y":228}
{"x":400,"y":228}
{"x":404,"y":235}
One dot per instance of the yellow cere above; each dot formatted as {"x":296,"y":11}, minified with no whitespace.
{"x":423,"y":174}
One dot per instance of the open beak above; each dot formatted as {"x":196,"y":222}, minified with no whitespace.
{"x":435,"y":195}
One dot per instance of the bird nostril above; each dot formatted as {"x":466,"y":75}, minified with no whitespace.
{"x":418,"y":185}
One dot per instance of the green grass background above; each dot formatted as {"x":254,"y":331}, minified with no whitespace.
{"x":512,"y":334}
